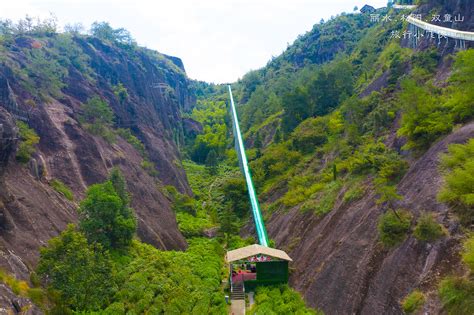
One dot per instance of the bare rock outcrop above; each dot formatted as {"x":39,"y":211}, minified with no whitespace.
{"x":339,"y":265}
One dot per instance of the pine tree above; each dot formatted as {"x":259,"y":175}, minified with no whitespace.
{"x":211,"y":162}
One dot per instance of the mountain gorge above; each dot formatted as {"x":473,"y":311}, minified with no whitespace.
{"x":322,"y":182}
{"x":359,"y":143}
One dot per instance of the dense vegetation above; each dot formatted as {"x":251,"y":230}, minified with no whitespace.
{"x":458,"y":166}
{"x":457,"y":293}
{"x":127,"y":275}
{"x":279,"y":300}
{"x":430,"y":112}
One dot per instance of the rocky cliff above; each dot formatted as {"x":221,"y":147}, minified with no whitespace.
{"x":154,"y":91}
{"x":339,"y":264}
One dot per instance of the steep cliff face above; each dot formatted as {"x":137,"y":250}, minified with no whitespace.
{"x":341,"y":267}
{"x":156,"y":92}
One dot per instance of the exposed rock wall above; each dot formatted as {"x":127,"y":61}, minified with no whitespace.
{"x":340,"y":267}
{"x":31,"y":212}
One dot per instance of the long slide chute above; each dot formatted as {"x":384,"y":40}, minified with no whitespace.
{"x":239,"y":146}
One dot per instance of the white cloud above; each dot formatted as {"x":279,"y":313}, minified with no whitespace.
{"x":218,"y":40}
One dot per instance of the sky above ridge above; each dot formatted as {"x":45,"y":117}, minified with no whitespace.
{"x":218,"y":40}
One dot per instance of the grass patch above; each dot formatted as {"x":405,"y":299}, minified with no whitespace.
{"x":394,"y":227}
{"x":427,"y":229}
{"x":149,"y":167}
{"x":355,"y":192}
{"x":457,"y":295}
{"x":413,"y":301}
{"x":18,"y":287}
{"x":468,"y":254}
{"x":29,"y":140}
{"x":61,"y":188}
{"x":323,"y":201}
{"x":458,"y":168}
{"x":127,"y":135}
{"x":21,"y":288}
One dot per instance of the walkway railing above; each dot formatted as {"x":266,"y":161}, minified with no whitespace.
{"x":444,"y":31}
{"x":404,"y":6}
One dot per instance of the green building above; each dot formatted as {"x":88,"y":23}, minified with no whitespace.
{"x":256,"y":265}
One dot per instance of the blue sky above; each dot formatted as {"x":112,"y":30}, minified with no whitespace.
{"x":218,"y":40}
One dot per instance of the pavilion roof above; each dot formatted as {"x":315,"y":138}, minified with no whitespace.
{"x":255,"y":249}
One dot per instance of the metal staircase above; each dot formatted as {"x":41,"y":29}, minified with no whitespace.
{"x":238,"y":292}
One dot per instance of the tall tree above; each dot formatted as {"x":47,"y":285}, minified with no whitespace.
{"x":211,"y":162}
{"x":79,"y":271}
{"x":105,"y":217}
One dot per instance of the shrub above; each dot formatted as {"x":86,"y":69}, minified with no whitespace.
{"x":323,"y":201}
{"x":413,"y":301}
{"x":393,"y":227}
{"x":98,"y":117}
{"x":61,"y":188}
{"x":310,"y":134}
{"x":468,"y":253}
{"x":355,"y":191}
{"x":37,"y":296}
{"x":457,"y":295}
{"x":279,"y":300}
{"x":427,"y":60}
{"x":301,"y":188}
{"x":127,"y":135}
{"x":149,"y":167}
{"x":461,"y":92}
{"x":386,"y":193}
{"x":425,"y":118}
{"x":18,"y":287}
{"x":46,"y":73}
{"x":427,"y":229}
{"x":29,"y":139}
{"x":458,"y":189}
{"x":191,"y":225}
{"x":182,"y":202}
{"x":120,"y":92}
{"x":276,"y":160}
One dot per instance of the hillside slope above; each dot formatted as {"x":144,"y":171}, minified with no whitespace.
{"x":339,"y":257}
{"x":45,"y":80}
